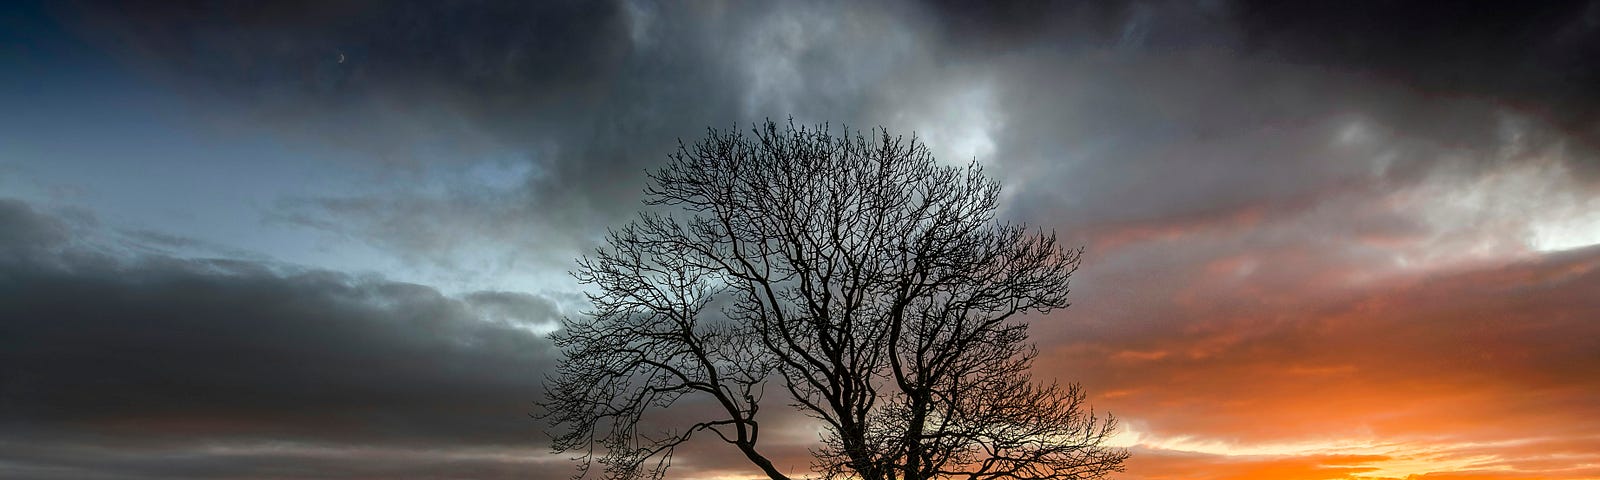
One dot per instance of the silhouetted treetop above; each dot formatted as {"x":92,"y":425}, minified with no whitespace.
{"x":868,"y":283}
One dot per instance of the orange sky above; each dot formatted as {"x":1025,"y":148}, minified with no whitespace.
{"x":1244,"y":345}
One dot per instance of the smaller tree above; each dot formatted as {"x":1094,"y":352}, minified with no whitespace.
{"x":871,"y":284}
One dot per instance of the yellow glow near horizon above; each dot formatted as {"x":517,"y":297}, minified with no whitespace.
{"x":1391,"y":459}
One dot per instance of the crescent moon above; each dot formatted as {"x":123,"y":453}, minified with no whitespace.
{"x":341,"y":58}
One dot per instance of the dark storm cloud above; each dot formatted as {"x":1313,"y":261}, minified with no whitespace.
{"x":279,"y":460}
{"x":414,"y":84}
{"x":1133,"y":137}
{"x":1538,"y":56}
{"x":177,"y":367}
{"x":1231,"y":102}
{"x":27,"y":232}
{"x":577,"y":100}
{"x":1200,"y":109}
{"x":328,"y":55}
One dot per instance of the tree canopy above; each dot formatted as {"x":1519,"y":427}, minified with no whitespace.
{"x":869,"y":286}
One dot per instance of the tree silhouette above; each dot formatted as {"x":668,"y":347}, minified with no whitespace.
{"x":871,"y":286}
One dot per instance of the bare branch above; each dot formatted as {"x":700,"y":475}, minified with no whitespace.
{"x":874,"y":284}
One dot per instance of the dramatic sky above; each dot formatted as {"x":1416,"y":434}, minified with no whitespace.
{"x":1324,"y":240}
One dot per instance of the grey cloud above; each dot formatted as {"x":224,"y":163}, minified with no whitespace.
{"x":1533,"y":57}
{"x":1101,"y":111}
{"x":520,"y":309}
{"x":1145,"y":111}
{"x":721,"y":67}
{"x":159,"y":357}
{"x":992,"y":28}
{"x":1128,"y":137}
{"x":28,"y":232}
{"x":539,"y":85}
{"x":287,"y":55}
{"x":48,"y":460}
{"x":160,"y":243}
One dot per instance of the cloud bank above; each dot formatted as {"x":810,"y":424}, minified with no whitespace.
{"x":1324,"y":241}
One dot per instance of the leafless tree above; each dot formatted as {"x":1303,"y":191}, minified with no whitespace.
{"x":869,"y":285}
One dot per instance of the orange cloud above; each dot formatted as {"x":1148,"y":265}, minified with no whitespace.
{"x":1483,"y":371}
{"x":1165,"y":465}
